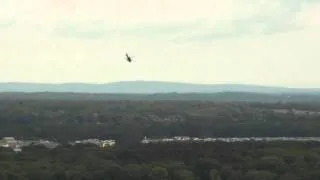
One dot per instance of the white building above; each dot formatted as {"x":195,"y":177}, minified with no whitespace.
{"x":145,"y":140}
{"x":108,"y":143}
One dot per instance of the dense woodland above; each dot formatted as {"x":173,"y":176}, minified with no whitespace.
{"x":130,"y":121}
{"x":206,"y":161}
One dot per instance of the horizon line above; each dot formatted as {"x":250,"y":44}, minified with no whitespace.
{"x":158,"y":81}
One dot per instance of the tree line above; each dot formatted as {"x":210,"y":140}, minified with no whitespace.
{"x":171,"y":161}
{"x":129,"y":121}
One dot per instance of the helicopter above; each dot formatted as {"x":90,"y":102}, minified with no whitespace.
{"x":129,"y":59}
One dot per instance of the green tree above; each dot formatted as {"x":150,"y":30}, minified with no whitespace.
{"x":135,"y":171}
{"x":204,"y":166}
{"x":158,"y":173}
{"x":183,"y":175}
{"x":214,"y":175}
{"x":273,"y":163}
{"x":288,"y":176}
{"x":260,"y":175}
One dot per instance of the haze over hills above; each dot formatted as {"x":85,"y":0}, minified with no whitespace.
{"x":151,"y":87}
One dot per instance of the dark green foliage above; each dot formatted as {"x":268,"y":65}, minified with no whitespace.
{"x":129,"y":121}
{"x":160,"y":162}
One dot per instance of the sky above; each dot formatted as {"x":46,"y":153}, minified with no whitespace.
{"x":264,"y":42}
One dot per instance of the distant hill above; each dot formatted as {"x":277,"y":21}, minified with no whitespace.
{"x":151,"y":87}
{"x":218,"y":97}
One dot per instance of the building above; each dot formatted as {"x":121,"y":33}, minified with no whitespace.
{"x":108,"y":143}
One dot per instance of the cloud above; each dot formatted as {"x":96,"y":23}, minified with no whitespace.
{"x":91,"y":30}
{"x":243,"y":41}
{"x":279,"y":17}
{"x":154,"y":29}
{"x":102,"y":30}
{"x":7,"y":24}
{"x":249,"y":27}
{"x":192,"y":22}
{"x":169,"y":20}
{"x":309,"y":15}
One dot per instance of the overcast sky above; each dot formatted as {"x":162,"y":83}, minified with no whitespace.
{"x":267,"y":42}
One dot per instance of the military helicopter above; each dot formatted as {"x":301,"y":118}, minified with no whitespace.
{"x":129,"y":59}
